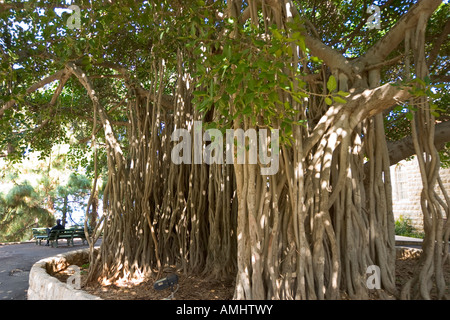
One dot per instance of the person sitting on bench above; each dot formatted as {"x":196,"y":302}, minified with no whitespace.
{"x":58,"y":226}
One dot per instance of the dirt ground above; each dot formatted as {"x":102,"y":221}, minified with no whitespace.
{"x":190,"y":288}
{"x":200,"y":288}
{"x":404,"y":270}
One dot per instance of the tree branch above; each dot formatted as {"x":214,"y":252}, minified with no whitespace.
{"x":440,"y":78}
{"x":395,"y":36}
{"x":57,"y":76}
{"x":106,"y":122}
{"x":166,"y":101}
{"x":331,"y":57}
{"x":62,"y":82}
{"x":373,"y":101}
{"x":404,"y":148}
{"x":438,"y":43}
{"x":385,"y":63}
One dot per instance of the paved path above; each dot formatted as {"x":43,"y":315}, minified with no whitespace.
{"x":16,"y":261}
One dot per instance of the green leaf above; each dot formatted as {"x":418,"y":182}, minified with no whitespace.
{"x":435,"y":114}
{"x":301,"y":44}
{"x":247,"y":110}
{"x":227,"y":51}
{"x":85,"y":61}
{"x":409,"y":116}
{"x":231,"y":90}
{"x":273,"y":96}
{"x":419,"y":81}
{"x":297,"y":99}
{"x":328,"y":101}
{"x":248,"y":97}
{"x":316,"y":59}
{"x":277,"y":34}
{"x":339,"y":99}
{"x":205,"y":105}
{"x":297,"y":35}
{"x":398,"y":108}
{"x":331,"y":84}
{"x":200,"y":93}
{"x":238,"y":79}
{"x":343,"y":93}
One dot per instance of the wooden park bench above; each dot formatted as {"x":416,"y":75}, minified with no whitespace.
{"x":79,"y":233}
{"x":68,"y":234}
{"x":40,"y":234}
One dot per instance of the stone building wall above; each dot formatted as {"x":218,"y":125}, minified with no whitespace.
{"x":406,"y":189}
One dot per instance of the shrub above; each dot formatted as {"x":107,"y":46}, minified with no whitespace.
{"x":404,"y":227}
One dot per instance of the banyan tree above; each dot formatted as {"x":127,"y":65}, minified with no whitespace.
{"x":325,"y":95}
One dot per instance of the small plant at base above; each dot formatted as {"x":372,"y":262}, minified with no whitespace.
{"x":404,"y":227}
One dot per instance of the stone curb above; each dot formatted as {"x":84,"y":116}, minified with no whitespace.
{"x":407,"y":252}
{"x":43,"y":286}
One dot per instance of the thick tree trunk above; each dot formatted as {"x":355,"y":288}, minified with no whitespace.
{"x":428,"y":277}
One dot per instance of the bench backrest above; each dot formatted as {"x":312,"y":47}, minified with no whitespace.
{"x":79,"y":230}
{"x":60,"y":232}
{"x":39,"y":231}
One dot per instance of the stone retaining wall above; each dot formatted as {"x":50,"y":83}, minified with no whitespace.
{"x":43,"y":286}
{"x":406,"y":253}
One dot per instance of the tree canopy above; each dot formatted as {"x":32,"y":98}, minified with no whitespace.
{"x":36,"y":192}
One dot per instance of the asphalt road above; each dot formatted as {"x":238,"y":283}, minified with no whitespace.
{"x":16,"y":261}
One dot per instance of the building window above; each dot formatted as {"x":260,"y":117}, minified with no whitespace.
{"x":400,"y":183}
